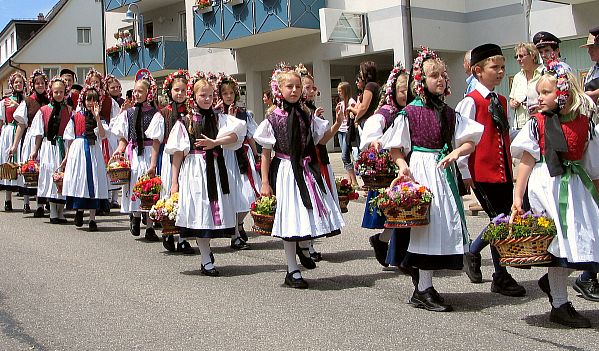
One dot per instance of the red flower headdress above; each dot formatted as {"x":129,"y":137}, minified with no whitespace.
{"x":87,"y":88}
{"x":11,"y":82}
{"x":397,"y":70}
{"x":168,"y":82}
{"x":93,"y":72}
{"x":557,"y":69}
{"x":35,"y":74}
{"x":52,"y":81}
{"x":227,"y":79}
{"x":146,"y":75}
{"x":190,"y":83}
{"x":418,"y":70}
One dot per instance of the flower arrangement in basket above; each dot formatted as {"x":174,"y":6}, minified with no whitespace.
{"x":9,"y":170}
{"x":113,"y":50}
{"x":406,"y":204}
{"x":522,"y":240}
{"x":376,"y":168}
{"x":203,"y":6}
{"x":165,"y":211}
{"x":57,"y":178}
{"x":130,"y":46}
{"x":263,"y":213}
{"x":118,"y":170}
{"x":345,"y":192}
{"x":151,"y":42}
{"x":30,"y":172}
{"x":147,"y":189}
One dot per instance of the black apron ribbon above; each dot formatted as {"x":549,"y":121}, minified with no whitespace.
{"x":555,"y":142}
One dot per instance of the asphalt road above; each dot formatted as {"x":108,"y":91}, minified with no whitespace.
{"x":63,"y":288}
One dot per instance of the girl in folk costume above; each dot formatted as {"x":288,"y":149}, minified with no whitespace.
{"x":85,"y":184}
{"x":114,"y":89}
{"x":24,"y":115}
{"x":8,"y":106}
{"x":305,"y":207}
{"x":433,"y":136}
{"x":392,"y":102}
{"x":246,"y":177}
{"x":203,"y":152}
{"x":140,"y":130}
{"x":558,"y":150}
{"x":175,"y":89}
{"x":48,"y":128}
{"x":110,"y":109}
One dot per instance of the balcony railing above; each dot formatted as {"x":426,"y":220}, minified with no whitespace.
{"x":163,"y":54}
{"x":110,"y":5}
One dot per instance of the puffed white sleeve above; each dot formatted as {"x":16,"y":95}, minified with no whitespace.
{"x":590,"y":158}
{"x":319,"y":127}
{"x":106,"y":130}
{"x":467,"y":109}
{"x":230,"y":125}
{"x":120,"y":126}
{"x":265,"y":135}
{"x":37,"y":125}
{"x":398,"y":135}
{"x":466,"y":130}
{"x":178,"y":140}
{"x":2,"y":111}
{"x":372,"y":131}
{"x":69,"y":131}
{"x":20,"y":114}
{"x":251,"y":125}
{"x":527,"y":140}
{"x":115,"y":110}
{"x":155,"y":130}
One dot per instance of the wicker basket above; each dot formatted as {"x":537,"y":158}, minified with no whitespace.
{"x":525,"y":251}
{"x":343,"y":201}
{"x":147,"y":201}
{"x":31,"y":178}
{"x":400,"y":218}
{"x":262,"y":223}
{"x":168,"y":227}
{"x":119,"y":176}
{"x":9,"y":171}
{"x":377,"y":181}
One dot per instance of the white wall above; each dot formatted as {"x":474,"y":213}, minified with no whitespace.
{"x":7,"y":50}
{"x":61,"y":32}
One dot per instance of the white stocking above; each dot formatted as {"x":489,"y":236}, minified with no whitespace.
{"x":204,"y":245}
{"x":425,"y":280}
{"x":558,"y":282}
{"x":291,"y":258}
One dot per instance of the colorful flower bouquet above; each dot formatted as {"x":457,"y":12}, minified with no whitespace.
{"x":345,"y":193}
{"x":522,"y":240}
{"x":118,"y":170}
{"x":377,"y":169}
{"x":57,"y":178}
{"x":147,"y":190}
{"x":130,"y":46}
{"x":406,"y":204}
{"x":203,"y":6}
{"x":30,"y":172}
{"x":165,"y":211}
{"x":263,"y":212}
{"x":113,"y":50}
{"x":151,"y":42}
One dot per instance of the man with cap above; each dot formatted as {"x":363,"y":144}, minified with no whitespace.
{"x":69,"y":77}
{"x":591,"y":81}
{"x":548,"y":46}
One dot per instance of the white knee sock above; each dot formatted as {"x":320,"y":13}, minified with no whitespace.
{"x":385,"y":236}
{"x":60,"y":209}
{"x":204,"y":245}
{"x":8,"y":195}
{"x":25,"y":199}
{"x":115,"y":195}
{"x":53,"y":210}
{"x":425,"y":280}
{"x":558,"y":282}
{"x":92,"y":215}
{"x":291,"y":258}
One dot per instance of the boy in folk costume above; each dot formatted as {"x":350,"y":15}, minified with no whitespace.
{"x":24,"y":115}
{"x":69,"y":77}
{"x":8,"y":107}
{"x":488,"y":170}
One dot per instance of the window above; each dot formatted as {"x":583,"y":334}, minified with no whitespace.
{"x":84,"y":36}
{"x":81,"y":73}
{"x":51,"y":72}
{"x":14,"y":42}
{"x":183,"y":28}
{"x":149,"y":30}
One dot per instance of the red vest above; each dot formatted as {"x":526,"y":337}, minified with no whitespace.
{"x":65,"y":115}
{"x":8,"y":112}
{"x":576,"y":132}
{"x":106,"y":110}
{"x":79,"y":122}
{"x":32,"y":107}
{"x":487,"y":162}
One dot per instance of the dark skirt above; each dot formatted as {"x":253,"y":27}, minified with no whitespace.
{"x":207,"y":233}
{"x":372,"y":220}
{"x":80,"y":203}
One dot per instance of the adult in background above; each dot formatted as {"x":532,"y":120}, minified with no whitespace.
{"x":523,"y":94}
{"x":591,"y":81}
{"x":370,"y":95}
{"x":345,"y":100}
{"x":471,"y":80}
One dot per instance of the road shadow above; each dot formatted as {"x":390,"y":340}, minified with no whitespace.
{"x":542,"y":321}
{"x":346,"y":256}
{"x":342,"y":282}
{"x":238,"y":270}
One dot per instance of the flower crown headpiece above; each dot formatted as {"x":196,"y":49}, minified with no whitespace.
{"x":303,"y":71}
{"x":190,"y":83}
{"x":88,"y":87}
{"x":35,"y":74}
{"x":146,"y":75}
{"x":93,"y":72}
{"x":168,"y":82}
{"x":227,"y":79}
{"x":52,"y":81}
{"x":11,"y":82}
{"x":397,"y":71}
{"x":108,"y":78}
{"x":277,"y":95}
{"x":418,"y":68}
{"x":558,"y":70}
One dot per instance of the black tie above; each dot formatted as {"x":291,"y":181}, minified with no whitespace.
{"x":498,"y":113}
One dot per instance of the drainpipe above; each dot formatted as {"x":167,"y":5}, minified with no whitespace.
{"x":526,"y":4}
{"x":408,"y":44}
{"x":103,"y":38}
{"x":10,"y":64}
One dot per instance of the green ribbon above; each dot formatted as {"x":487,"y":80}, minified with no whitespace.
{"x":60,"y":142}
{"x":449,"y":173}
{"x":572,"y":167}
{"x":14,"y":132}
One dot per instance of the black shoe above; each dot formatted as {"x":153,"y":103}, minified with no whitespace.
{"x":54,"y":221}
{"x":212,"y":272}
{"x":79,"y":219}
{"x":316,"y":256}
{"x":103,"y":212}
{"x":151,"y":235}
{"x":26,"y":209}
{"x":168,"y":241}
{"x":242,"y":233}
{"x":380,"y":249}
{"x":472,"y":264}
{"x":588,"y":289}
{"x":429,"y":300}
{"x":39,"y":213}
{"x":8,"y":206}
{"x":544,"y":285}
{"x":93,"y":227}
{"x":47,"y":206}
{"x":185,"y":248}
{"x":567,"y":315}
{"x":296,"y":283}
{"x":306,"y":261}
{"x":504,"y":284}
{"x":134,"y":225}
{"x":239,"y":244}
{"x":115,"y":205}
{"x":63,"y":221}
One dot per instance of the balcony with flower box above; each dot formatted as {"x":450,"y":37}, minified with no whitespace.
{"x":241,"y":23}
